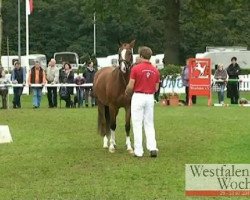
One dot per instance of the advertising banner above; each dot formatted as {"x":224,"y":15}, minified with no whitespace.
{"x":199,"y":78}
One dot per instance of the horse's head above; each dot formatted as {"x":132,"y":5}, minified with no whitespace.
{"x":126,"y":55}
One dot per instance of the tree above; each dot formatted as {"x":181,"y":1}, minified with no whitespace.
{"x":172,"y":32}
{"x":1,"y":30}
{"x":178,"y":28}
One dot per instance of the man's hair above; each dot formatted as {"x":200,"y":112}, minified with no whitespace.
{"x":145,"y":52}
{"x":234,"y":58}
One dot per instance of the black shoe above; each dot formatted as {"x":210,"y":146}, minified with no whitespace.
{"x":93,"y":105}
{"x":86,"y":105}
{"x":153,"y":153}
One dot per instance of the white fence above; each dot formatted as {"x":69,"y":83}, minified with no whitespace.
{"x":168,"y":85}
{"x":176,"y":85}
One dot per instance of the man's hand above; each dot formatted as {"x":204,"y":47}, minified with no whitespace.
{"x":130,"y":87}
{"x":128,"y":92}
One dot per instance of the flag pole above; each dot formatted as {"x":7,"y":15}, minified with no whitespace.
{"x":19,"y":32}
{"x":27,"y":27}
{"x":94,"y":35}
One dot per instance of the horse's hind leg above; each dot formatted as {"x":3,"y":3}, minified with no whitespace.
{"x":113,"y":111}
{"x":127,"y":129}
{"x":102,"y":124}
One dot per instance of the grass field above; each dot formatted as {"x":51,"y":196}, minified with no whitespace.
{"x":57,"y":154}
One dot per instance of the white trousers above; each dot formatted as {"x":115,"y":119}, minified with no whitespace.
{"x":142,"y":114}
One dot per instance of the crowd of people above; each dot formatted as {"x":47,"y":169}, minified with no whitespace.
{"x":223,"y":78}
{"x":52,"y":75}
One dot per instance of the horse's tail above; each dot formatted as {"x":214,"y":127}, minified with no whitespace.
{"x":103,"y":120}
{"x":107,"y":118}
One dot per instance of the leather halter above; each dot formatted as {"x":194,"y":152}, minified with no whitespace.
{"x":127,"y":64}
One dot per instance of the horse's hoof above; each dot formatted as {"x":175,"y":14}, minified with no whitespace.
{"x":105,"y":146}
{"x":130,"y":151}
{"x":112,"y":150}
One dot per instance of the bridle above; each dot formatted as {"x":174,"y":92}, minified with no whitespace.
{"x":127,"y":63}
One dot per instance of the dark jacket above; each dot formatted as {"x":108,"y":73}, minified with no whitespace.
{"x":233,"y":71}
{"x":89,"y":75}
{"x":63,"y":78}
{"x":18,"y":75}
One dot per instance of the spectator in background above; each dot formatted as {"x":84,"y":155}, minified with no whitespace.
{"x":18,"y":76}
{"x":233,"y":72}
{"x":3,"y":89}
{"x":52,"y":75}
{"x":89,"y":78}
{"x":37,"y":76}
{"x":221,"y":76}
{"x":79,"y":80}
{"x":185,"y":82}
{"x":66,"y":76}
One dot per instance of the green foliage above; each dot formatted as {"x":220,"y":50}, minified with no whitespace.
{"x":170,"y":70}
{"x":245,"y":71}
{"x":67,"y":25}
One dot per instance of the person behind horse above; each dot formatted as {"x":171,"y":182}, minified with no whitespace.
{"x":221,"y":75}
{"x":37,"y":76}
{"x":79,"y":80}
{"x":18,"y":76}
{"x":66,"y":76}
{"x":3,"y":89}
{"x":233,"y":72}
{"x":89,"y":78}
{"x":144,"y":82}
{"x":185,"y":82}
{"x":52,"y":75}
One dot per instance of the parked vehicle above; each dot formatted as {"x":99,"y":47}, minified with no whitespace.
{"x":70,"y":57}
{"x":224,"y":54}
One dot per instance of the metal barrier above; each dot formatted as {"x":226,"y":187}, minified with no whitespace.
{"x":10,"y":85}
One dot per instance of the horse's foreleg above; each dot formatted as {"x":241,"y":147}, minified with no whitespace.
{"x":127,"y":129}
{"x":113,"y":113}
{"x":105,"y":142}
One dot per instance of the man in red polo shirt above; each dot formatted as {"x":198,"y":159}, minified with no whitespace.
{"x":143,"y":83}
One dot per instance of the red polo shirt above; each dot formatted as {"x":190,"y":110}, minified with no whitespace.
{"x":146,"y":76}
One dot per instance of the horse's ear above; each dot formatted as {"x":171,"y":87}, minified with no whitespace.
{"x":132,"y":44}
{"x":119,"y":42}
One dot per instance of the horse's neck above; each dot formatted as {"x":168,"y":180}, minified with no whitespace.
{"x":123,"y":77}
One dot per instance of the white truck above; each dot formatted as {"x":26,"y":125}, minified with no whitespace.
{"x":26,"y":61}
{"x":112,"y":60}
{"x":67,"y":57}
{"x":223,"y":55}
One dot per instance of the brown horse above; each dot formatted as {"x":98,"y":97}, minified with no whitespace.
{"x":109,"y":88}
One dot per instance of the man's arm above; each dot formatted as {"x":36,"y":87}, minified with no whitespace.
{"x":130,"y":87}
{"x":156,"y":87}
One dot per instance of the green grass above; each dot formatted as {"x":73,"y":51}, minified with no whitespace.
{"x":57,"y":154}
